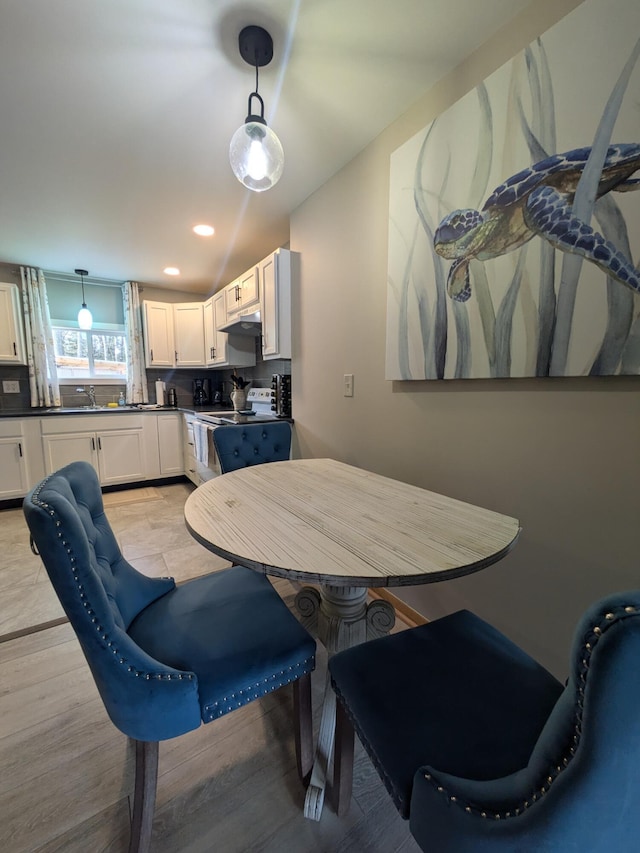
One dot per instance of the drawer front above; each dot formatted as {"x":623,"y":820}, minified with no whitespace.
{"x":11,"y":428}
{"x":56,"y":424}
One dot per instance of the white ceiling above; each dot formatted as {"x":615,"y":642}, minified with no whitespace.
{"x":116,"y":116}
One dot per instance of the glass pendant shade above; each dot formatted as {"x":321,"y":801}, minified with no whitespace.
{"x":85,"y":319}
{"x":256,"y":156}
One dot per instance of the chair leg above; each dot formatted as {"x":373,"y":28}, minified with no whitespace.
{"x":302,"y":712}
{"x":144,"y":797}
{"x":342,"y":762}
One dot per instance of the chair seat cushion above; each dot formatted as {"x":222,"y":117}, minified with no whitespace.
{"x":454,"y":694}
{"x":232,"y":629}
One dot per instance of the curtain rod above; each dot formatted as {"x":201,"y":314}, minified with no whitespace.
{"x":88,"y":279}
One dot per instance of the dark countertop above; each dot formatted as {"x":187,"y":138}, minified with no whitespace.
{"x":121,"y":410}
{"x":79,"y":410}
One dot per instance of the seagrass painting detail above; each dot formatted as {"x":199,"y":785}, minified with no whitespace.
{"x":514,"y":217}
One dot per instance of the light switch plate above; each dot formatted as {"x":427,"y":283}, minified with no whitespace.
{"x":11,"y":386}
{"x":348,"y":385}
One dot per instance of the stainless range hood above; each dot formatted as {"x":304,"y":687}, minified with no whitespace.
{"x":246,"y":324}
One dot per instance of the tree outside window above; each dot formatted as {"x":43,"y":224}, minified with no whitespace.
{"x":90,"y":354}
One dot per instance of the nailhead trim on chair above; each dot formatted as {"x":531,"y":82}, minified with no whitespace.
{"x":167,"y":676}
{"x":255,"y":691}
{"x":597,"y":632}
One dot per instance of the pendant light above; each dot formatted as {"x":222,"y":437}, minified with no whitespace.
{"x":85,"y":320}
{"x":255,"y":152}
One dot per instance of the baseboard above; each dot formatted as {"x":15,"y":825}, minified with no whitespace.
{"x":408,"y":615}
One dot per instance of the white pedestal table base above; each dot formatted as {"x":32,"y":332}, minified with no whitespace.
{"x":340,"y":617}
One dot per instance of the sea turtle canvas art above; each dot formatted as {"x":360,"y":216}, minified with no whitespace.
{"x":514,"y":215}
{"x":538,"y":200}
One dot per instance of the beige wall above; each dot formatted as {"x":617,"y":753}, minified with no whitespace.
{"x":560,"y":454}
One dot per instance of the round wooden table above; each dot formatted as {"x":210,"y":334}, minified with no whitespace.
{"x":346,"y":529}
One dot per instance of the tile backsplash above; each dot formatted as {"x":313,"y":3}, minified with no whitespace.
{"x":181,"y":380}
{"x":10,"y":401}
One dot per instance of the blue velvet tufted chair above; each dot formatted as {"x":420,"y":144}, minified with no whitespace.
{"x":165,"y":658}
{"x":253,"y":444}
{"x":483,"y":750}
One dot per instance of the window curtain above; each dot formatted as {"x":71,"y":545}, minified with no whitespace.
{"x":136,"y":372}
{"x":41,"y":360}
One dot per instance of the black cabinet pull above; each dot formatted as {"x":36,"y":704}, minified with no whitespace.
{"x":99,"y":443}
{"x":93,"y":443}
{"x":15,"y":351}
{"x":20,"y":448}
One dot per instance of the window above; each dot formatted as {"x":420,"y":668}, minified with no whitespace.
{"x":97,"y":354}
{"x":90,"y":354}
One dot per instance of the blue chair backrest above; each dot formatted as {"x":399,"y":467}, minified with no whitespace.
{"x":102,"y":594}
{"x":253,"y":444}
{"x":581,"y":787}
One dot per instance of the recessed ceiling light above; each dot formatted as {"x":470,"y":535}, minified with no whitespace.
{"x":203,"y":230}
{"x":171,"y":271}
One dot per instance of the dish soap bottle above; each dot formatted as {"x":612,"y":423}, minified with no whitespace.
{"x":121,"y":400}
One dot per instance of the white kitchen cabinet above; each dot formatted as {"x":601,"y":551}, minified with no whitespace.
{"x":215,"y":341}
{"x":243,"y":295}
{"x":209,"y":333}
{"x":115,"y":448}
{"x":275,"y":275}
{"x":159,"y":342}
{"x":11,"y":335}
{"x":14,"y":468}
{"x":61,"y":450}
{"x":13,"y":464}
{"x":189,"y":334}
{"x":224,"y":350}
{"x":173,"y":334}
{"x":170,"y":447}
{"x":21,"y":463}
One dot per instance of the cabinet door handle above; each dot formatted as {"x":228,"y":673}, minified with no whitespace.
{"x":99,"y":443}
{"x":15,"y":351}
{"x":151,"y":354}
{"x":175,"y":352}
{"x":93,"y":443}
{"x":238,"y":295}
{"x":20,"y":448}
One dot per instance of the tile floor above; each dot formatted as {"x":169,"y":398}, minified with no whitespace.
{"x":151,"y":534}
{"x":230,"y":786}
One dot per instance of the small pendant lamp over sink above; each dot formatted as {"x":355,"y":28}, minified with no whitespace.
{"x":85,"y":320}
{"x":255,"y":152}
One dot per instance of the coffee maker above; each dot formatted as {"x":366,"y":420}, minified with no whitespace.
{"x":201,"y":392}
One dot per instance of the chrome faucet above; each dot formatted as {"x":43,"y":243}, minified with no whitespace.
{"x":91,"y":394}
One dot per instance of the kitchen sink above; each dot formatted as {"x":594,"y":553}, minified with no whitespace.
{"x":88,"y":410}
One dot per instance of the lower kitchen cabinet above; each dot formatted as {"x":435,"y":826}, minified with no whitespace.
{"x":21,"y":465}
{"x":170,"y":447}
{"x":116,"y":450}
{"x":13,"y":465}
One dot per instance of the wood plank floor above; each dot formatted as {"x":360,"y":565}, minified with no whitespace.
{"x":229,"y":787}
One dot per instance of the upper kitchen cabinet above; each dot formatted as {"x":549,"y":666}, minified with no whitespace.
{"x":173,"y":334}
{"x":243,"y":295}
{"x":159,"y":346}
{"x":275,"y":275}
{"x":222,"y":350}
{"x":11,"y":335}
{"x":189,"y":334}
